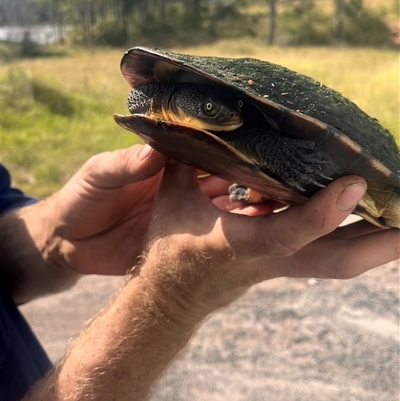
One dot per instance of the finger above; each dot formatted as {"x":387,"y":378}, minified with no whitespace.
{"x":343,"y":259}
{"x":367,"y":252}
{"x":223,"y":203}
{"x":180,"y":176}
{"x":125,"y":166}
{"x":284,"y":233}
{"x":297,"y":226}
{"x":214,"y":186}
{"x":180,"y":196}
{"x":354,"y":230}
{"x":178,"y":184}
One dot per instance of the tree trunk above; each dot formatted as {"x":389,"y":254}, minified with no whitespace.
{"x":271,"y":22}
{"x":88,"y":25}
{"x":337,"y":20}
{"x":57,"y":21}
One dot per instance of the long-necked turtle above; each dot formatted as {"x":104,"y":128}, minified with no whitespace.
{"x":270,"y":129}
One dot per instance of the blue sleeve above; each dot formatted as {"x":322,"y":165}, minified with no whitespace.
{"x":23,"y":362}
{"x":22,"y":359}
{"x":11,"y":198}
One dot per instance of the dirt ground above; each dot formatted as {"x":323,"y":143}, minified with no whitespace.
{"x":286,"y":339}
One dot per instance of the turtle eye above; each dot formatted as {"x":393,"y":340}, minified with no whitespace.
{"x":239,"y":104}
{"x":210,"y":108}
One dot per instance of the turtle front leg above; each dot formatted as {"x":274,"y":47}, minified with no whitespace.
{"x":297,"y":162}
{"x":294,"y":162}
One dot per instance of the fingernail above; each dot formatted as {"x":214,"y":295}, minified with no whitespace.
{"x":144,"y":152}
{"x":350,"y":196}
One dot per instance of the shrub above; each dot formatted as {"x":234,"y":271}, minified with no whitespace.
{"x":364,"y":27}
{"x":303,"y":23}
{"x":110,"y":32}
{"x":21,"y":91}
{"x":17,"y":90}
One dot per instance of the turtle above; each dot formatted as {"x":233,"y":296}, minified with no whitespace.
{"x":276,"y":133}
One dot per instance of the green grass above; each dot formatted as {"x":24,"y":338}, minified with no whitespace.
{"x":57,"y":112}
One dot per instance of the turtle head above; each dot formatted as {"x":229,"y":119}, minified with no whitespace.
{"x":199,"y":106}
{"x":204,"y":108}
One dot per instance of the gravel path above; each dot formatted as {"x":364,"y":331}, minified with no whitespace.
{"x":287,"y":339}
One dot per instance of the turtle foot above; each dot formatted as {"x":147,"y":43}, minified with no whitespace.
{"x":244,"y":194}
{"x":296,"y":161}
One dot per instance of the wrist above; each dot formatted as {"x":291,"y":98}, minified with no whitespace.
{"x":31,"y":252}
{"x":187,"y":280}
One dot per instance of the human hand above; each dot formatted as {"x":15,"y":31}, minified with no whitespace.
{"x":103,"y":212}
{"x":206,"y":257}
{"x":199,"y":258}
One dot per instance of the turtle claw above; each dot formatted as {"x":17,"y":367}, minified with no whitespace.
{"x":325,"y":177}
{"x":318,"y":184}
{"x":238,"y":193}
{"x":295,"y":185}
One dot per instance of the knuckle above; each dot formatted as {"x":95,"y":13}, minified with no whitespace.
{"x":344,"y":265}
{"x":316,"y":222}
{"x":277,"y":243}
{"x":282,"y":242}
{"x":341,"y":272}
{"x":276,"y":247}
{"x":123,"y":161}
{"x":94,"y":162}
{"x":91,"y":168}
{"x":318,"y":226}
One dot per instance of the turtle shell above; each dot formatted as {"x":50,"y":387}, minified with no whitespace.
{"x":305,"y":115}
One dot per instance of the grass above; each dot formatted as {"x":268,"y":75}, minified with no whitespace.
{"x":57,"y":112}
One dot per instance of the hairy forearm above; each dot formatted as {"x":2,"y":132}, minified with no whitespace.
{"x":124,"y":351}
{"x":29,"y":253}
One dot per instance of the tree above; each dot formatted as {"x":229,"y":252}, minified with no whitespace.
{"x":337,"y":19}
{"x":271,"y":21}
{"x":57,"y":12}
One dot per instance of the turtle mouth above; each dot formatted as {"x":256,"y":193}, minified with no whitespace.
{"x":226,"y":120}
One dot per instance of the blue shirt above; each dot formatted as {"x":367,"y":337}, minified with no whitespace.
{"x":22,"y":359}
{"x":11,"y":198}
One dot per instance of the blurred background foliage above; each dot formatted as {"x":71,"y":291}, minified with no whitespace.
{"x":170,"y":22}
{"x":57,"y":100}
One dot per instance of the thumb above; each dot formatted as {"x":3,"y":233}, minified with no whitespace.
{"x":125,"y":166}
{"x":286,"y":232}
